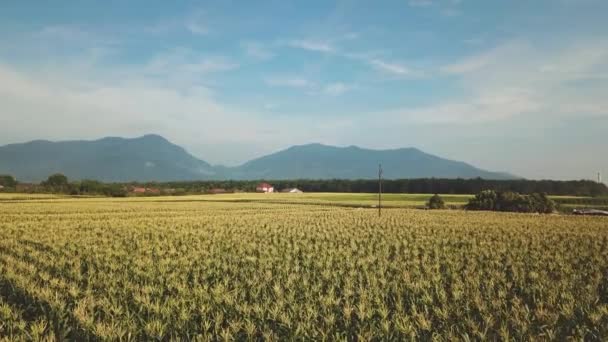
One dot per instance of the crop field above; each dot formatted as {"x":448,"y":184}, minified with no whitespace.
{"x":248,"y":267}
{"x":337,"y":199}
{"x":354,"y":200}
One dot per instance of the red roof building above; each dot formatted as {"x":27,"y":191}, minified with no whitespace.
{"x":264,"y":187}
{"x":138,"y":190}
{"x":217,"y":191}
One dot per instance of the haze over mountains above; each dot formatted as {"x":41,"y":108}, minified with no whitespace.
{"x":153,"y":158}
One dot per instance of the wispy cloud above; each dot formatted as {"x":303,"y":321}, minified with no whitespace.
{"x":448,"y":8}
{"x":336,"y":89}
{"x":420,"y":3}
{"x":211,"y":65}
{"x":292,"y":82}
{"x":483,"y":107}
{"x":391,"y":68}
{"x":70,"y":35}
{"x":196,"y":23}
{"x":130,"y":105}
{"x":474,"y":41}
{"x":369,"y":58}
{"x":467,"y":65}
{"x":64,"y":33}
{"x":257,"y":50}
{"x":312,"y":45}
{"x":451,"y":12}
{"x":394,"y":69}
{"x":350,"y":36}
{"x":271,"y":106}
{"x":197,"y":28}
{"x":187,"y":63}
{"x":517,"y":78}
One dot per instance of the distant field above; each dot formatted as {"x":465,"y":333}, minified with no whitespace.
{"x":566,"y":203}
{"x":21,"y":197}
{"x":325,"y":199}
{"x":345,"y":199}
{"x":263,"y":267}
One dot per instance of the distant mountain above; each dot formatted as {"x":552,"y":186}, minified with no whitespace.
{"x":147,"y":158}
{"x":319,"y":161}
{"x":152,"y":157}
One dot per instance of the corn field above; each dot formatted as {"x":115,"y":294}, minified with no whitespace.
{"x":151,"y":270}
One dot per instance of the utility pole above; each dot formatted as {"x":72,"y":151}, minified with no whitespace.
{"x":379,"y":190}
{"x":599,"y":177}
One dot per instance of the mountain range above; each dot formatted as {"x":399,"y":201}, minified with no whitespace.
{"x":153,"y":158}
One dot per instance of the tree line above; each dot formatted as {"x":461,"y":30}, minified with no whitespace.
{"x":60,"y":184}
{"x":419,"y":186}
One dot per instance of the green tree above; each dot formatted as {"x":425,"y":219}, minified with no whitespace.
{"x":512,"y":201}
{"x":57,"y":180}
{"x":436,"y":202}
{"x":8,"y":181}
{"x":485,"y":200}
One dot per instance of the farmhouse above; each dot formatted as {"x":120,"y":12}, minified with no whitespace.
{"x":141,"y":190}
{"x":292,"y":191}
{"x":217,"y":191}
{"x":264,"y":187}
{"x":138,"y":190}
{"x":1,"y":187}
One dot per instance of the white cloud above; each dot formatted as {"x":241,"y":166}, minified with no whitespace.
{"x":196,"y":23}
{"x":65,"y":33}
{"x":292,"y":82}
{"x":210,"y":65}
{"x":420,"y":3}
{"x":519,"y":78}
{"x":311,"y":45}
{"x":184,"y":62}
{"x":483,"y":107}
{"x":471,"y":64}
{"x":197,"y":28}
{"x":450,"y":12}
{"x":474,"y":41}
{"x":99,"y":103}
{"x":351,"y":36}
{"x":448,"y":8}
{"x":257,"y":50}
{"x":337,"y":88}
{"x":65,"y":41}
{"x":392,"y":68}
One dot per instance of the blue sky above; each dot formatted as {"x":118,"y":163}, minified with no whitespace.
{"x":517,"y":86}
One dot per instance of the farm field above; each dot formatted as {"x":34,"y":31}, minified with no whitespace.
{"x":565,"y":203}
{"x":273,"y":267}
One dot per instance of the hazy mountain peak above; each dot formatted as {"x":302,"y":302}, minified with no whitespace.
{"x":152,"y":157}
{"x":146,"y":158}
{"x":153,"y":137}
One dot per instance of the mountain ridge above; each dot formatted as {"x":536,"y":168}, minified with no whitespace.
{"x":152,"y":157}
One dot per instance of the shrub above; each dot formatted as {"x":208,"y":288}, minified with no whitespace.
{"x":485,"y":200}
{"x":512,"y":202}
{"x":542,"y":203}
{"x":436,"y":202}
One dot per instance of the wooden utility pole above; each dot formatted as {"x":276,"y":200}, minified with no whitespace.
{"x":379,"y":190}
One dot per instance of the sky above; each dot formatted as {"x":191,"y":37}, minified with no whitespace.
{"x":518,"y":86}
